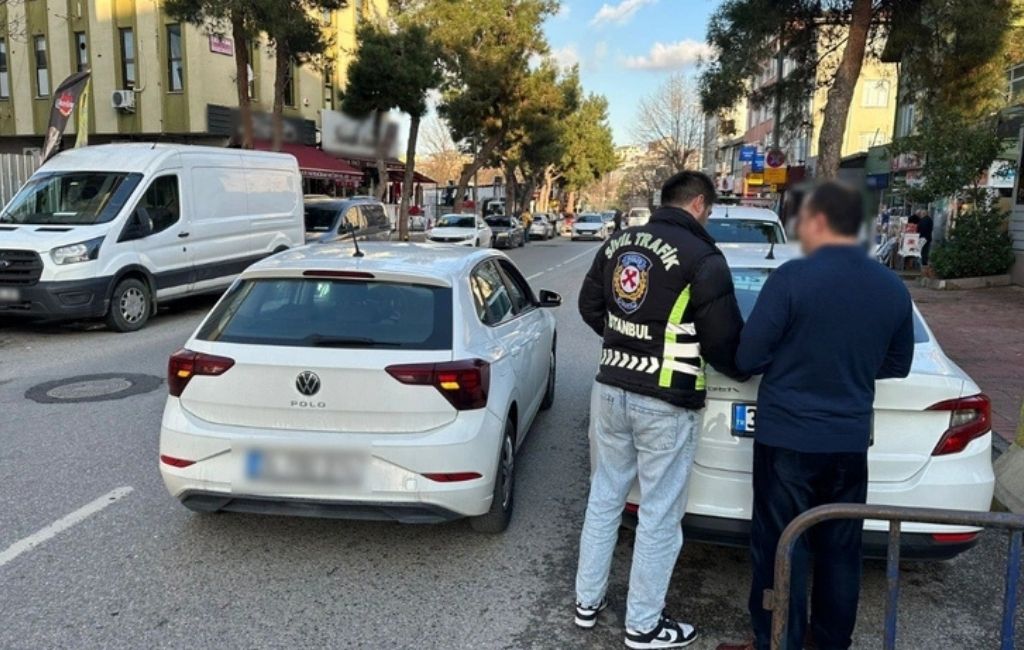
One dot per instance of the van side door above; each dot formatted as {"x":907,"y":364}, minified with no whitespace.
{"x":220,"y":237}
{"x":158,"y":229}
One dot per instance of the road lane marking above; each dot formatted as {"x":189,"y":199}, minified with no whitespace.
{"x":571,"y":259}
{"x":62,"y":524}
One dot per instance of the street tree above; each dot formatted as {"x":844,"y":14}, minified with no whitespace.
{"x":823,"y":44}
{"x":589,"y":149}
{"x":219,"y":18}
{"x":671,"y":122}
{"x":486,"y":48}
{"x":393,"y":69}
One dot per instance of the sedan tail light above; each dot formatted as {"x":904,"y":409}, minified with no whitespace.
{"x":463,"y":383}
{"x":186,"y":364}
{"x":969,"y":418}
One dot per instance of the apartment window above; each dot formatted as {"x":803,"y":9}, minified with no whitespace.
{"x":5,"y":78}
{"x":289,"y":86}
{"x":81,"y":52}
{"x":175,"y":68}
{"x":254,"y":56}
{"x":42,"y":67}
{"x":329,"y":88}
{"x":1015,"y":78}
{"x":876,"y":93}
{"x":905,"y":120}
{"x":127,"y":39}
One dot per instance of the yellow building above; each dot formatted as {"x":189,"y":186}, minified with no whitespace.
{"x":153,"y":78}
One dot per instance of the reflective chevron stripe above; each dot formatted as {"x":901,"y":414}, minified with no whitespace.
{"x":689,"y":329}
{"x":619,"y":359}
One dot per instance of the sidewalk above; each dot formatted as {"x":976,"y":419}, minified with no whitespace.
{"x":983,"y":332}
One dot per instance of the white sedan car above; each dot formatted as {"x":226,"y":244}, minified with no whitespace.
{"x":741,"y":224}
{"x":932,"y":442}
{"x":462,"y":230}
{"x":590,"y":226}
{"x":394,"y":386}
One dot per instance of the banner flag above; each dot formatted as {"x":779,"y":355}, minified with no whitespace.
{"x":65,"y":98}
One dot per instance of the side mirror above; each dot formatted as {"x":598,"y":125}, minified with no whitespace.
{"x":139,"y":225}
{"x":549,"y":299}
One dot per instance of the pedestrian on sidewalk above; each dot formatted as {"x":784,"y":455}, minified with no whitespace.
{"x":824,"y":329}
{"x":661,"y":297}
{"x":926,"y":228}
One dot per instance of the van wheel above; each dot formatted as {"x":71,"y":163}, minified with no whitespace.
{"x":497,"y":518}
{"x":130,"y":306}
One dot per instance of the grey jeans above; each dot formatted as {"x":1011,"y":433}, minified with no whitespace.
{"x":636,"y":436}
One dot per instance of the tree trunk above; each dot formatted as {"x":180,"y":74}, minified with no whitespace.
{"x":511,"y":190}
{"x":282,"y":69}
{"x":407,"y":180}
{"x":837,"y":107}
{"x":382,"y":163}
{"x":473,"y":167}
{"x":242,"y":63}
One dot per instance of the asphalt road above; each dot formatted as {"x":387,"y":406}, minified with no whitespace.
{"x":95,"y":554}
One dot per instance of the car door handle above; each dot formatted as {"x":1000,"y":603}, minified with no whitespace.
{"x":182,"y":235}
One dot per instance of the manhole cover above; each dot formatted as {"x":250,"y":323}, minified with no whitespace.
{"x":93,"y":388}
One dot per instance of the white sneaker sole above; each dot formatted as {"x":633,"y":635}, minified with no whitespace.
{"x":586,"y":624}
{"x":658,"y":645}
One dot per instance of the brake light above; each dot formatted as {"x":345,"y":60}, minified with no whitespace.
{"x":186,"y":364}
{"x":969,"y":418}
{"x":632,"y":508}
{"x":453,"y":477}
{"x":175,"y":462}
{"x":954,"y":538}
{"x":351,"y":275}
{"x":463,"y":383}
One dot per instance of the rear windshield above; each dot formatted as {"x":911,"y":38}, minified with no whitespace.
{"x":320,"y":218}
{"x":748,"y":283}
{"x":456,"y":221}
{"x":744,"y":231}
{"x":499,"y":222}
{"x":333,"y":313}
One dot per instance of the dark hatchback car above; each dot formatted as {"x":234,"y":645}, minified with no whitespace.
{"x":508,"y":232}
{"x":329,"y":219}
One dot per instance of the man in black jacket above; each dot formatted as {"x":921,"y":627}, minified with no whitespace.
{"x":661,"y":297}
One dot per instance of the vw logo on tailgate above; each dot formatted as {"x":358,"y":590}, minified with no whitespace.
{"x":307,"y":383}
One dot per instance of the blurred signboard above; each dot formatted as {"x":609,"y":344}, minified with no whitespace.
{"x":747,"y":152}
{"x":221,"y":45}
{"x":344,"y":135}
{"x":757,"y":164}
{"x":755,"y":178}
{"x":775,"y":175}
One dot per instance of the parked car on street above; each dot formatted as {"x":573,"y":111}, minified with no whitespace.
{"x":740,"y":224}
{"x":590,"y":226}
{"x":331,"y":219}
{"x":394,"y":386}
{"x":542,"y":227}
{"x":637,"y":217}
{"x":461,"y":229}
{"x":508,"y":231}
{"x":931,"y":448}
{"x":110,"y":231}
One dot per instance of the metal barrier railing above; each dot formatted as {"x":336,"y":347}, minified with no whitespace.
{"x":777,"y":599}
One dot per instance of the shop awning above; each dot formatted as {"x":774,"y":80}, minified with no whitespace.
{"x":396,"y":169}
{"x":314,"y":163}
{"x":397,"y":176}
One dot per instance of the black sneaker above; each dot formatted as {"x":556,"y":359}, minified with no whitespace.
{"x":586,"y":617}
{"x":667,"y":634}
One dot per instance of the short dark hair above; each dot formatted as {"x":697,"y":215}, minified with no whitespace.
{"x":685,"y":187}
{"x":842,"y":206}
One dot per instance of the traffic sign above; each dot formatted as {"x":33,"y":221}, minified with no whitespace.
{"x":747,"y":152}
{"x":775,"y":175}
{"x":775,"y":158}
{"x":757,"y":164}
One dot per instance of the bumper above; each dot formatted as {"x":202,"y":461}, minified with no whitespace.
{"x":65,"y":300}
{"x":394,"y":488}
{"x":502,"y":241}
{"x":589,"y":234}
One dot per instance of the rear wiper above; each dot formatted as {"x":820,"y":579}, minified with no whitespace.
{"x":323,"y":341}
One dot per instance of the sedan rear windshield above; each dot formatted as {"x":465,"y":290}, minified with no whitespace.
{"x":309,"y":312}
{"x":456,"y":221}
{"x":70,"y":198}
{"x":499,"y":222}
{"x":320,"y":218}
{"x":745,"y":231}
{"x":749,"y":281}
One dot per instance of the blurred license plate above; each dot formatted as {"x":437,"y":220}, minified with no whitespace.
{"x":743,"y":417}
{"x":9,"y":295}
{"x":306,"y":467}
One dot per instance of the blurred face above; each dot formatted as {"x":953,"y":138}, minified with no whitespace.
{"x":812,"y":228}
{"x":700,"y":209}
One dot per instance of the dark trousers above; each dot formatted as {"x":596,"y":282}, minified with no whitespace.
{"x":786,"y":484}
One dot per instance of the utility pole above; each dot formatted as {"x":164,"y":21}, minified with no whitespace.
{"x":780,"y":59}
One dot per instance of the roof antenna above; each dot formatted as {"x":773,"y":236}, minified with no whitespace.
{"x":771,"y":249}
{"x":355,"y":240}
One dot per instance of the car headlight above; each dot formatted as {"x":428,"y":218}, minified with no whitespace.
{"x":75,"y":253}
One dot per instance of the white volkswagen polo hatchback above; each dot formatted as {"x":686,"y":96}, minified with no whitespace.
{"x":395,"y":386}
{"x":932,"y":441}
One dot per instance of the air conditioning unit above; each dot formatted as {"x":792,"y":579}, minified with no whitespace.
{"x":123,"y":100}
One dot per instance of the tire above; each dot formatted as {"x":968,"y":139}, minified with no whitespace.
{"x":522,"y":241}
{"x":497,"y":518}
{"x":549,"y":393}
{"x":477,"y":244}
{"x":131,"y":305}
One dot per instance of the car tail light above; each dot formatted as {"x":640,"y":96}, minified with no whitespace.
{"x":632,"y":508}
{"x":969,"y":418}
{"x":463,"y":383}
{"x":954,"y":538}
{"x":175,"y":462}
{"x":186,"y":364}
{"x":453,"y":477}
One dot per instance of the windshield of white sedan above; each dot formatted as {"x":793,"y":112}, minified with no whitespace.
{"x":333,"y":314}
{"x":70,"y":198}
{"x":748,"y":283}
{"x":590,"y":218}
{"x":456,"y":221}
{"x":744,"y":231}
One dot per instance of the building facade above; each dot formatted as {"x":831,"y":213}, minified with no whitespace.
{"x":153,"y":77}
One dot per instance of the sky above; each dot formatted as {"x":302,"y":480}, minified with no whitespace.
{"x":626,"y":48}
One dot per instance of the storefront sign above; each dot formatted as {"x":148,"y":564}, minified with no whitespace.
{"x":219,"y":45}
{"x":877,"y":181}
{"x":775,"y":175}
{"x":755,"y":178}
{"x":757,"y":164}
{"x":343,"y":135}
{"x":1001,"y":174}
{"x":747,"y":153}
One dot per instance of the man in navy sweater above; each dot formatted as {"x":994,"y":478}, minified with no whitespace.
{"x":824,"y":329}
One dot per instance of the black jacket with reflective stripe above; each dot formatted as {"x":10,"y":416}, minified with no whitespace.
{"x":661,"y":297}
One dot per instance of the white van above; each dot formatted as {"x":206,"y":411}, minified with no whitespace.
{"x":637,"y":217}
{"x":108,"y":231}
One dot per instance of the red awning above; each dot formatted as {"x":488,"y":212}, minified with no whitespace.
{"x":314,"y":163}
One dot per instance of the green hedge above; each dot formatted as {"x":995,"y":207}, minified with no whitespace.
{"x":978,"y":245}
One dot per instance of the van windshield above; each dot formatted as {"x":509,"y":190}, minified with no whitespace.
{"x":70,"y":198}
